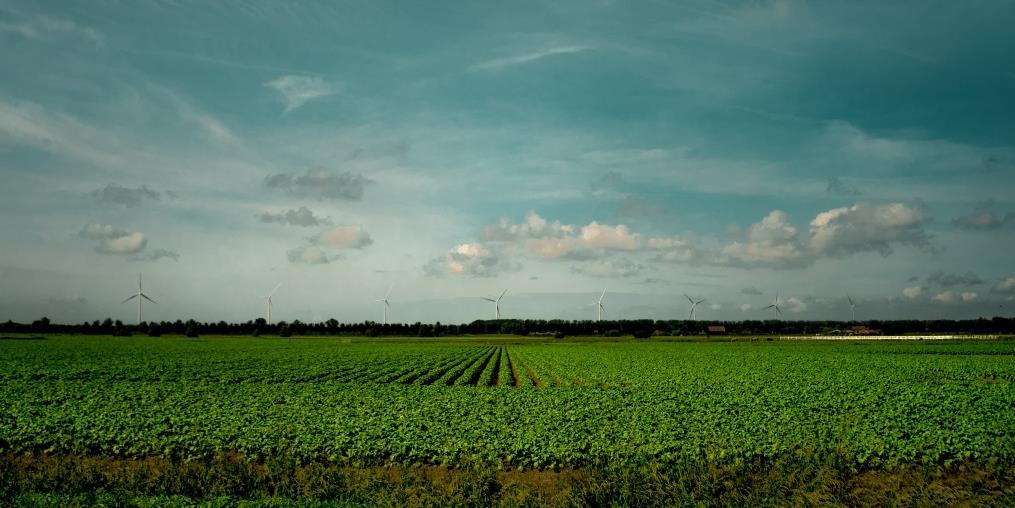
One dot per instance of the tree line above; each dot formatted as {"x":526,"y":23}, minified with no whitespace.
{"x":552,"y":327}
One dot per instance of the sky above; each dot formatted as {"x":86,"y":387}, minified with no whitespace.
{"x":449,"y":151}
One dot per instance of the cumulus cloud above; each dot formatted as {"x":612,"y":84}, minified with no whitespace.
{"x":470,"y":260}
{"x":343,"y":237}
{"x":745,"y":307}
{"x":620,"y":267}
{"x":943,"y":279}
{"x":946,"y":297}
{"x":299,"y":90}
{"x":310,"y":256}
{"x":544,"y":239}
{"x":837,"y":186}
{"x":912,"y":292}
{"x":112,"y":240}
{"x":772,"y":242}
{"x":868,"y":228}
{"x":751,"y":291}
{"x":301,"y":217}
{"x":968,"y":296}
{"x":985,"y":217}
{"x":1005,"y":286}
{"x":321,"y":184}
{"x":795,"y":305}
{"x":114,"y":194}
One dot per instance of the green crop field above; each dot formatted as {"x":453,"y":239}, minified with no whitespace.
{"x":511,"y":404}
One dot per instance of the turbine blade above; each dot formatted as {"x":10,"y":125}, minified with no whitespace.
{"x":129,"y":299}
{"x":386,"y":295}
{"x":602,"y":295}
{"x":769,"y":307}
{"x":149,"y":299}
{"x":502,"y":295}
{"x":778,"y":311}
{"x":272,"y":293}
{"x":689,"y":298}
{"x":487,"y":299}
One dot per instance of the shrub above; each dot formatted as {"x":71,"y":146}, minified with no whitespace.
{"x":191,"y":331}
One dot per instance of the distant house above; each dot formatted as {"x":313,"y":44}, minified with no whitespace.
{"x":715,"y":330}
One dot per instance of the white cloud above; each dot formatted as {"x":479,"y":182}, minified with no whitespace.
{"x":866,"y":228}
{"x":112,"y":240}
{"x":299,"y":90}
{"x":772,"y":242}
{"x":912,"y":292}
{"x":968,"y":296}
{"x":309,"y":256}
{"x":469,"y":259}
{"x":745,"y":307}
{"x":620,"y":267}
{"x":1005,"y":286}
{"x":498,"y":64}
{"x":47,"y":29}
{"x":128,"y":244}
{"x":945,"y":297}
{"x":794,"y":304}
{"x":344,"y":237}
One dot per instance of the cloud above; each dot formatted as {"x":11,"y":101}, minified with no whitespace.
{"x":605,"y":186}
{"x":751,"y":291}
{"x":299,"y":90}
{"x":156,"y":255}
{"x":113,"y":240}
{"x":321,"y":185}
{"x":469,"y":260}
{"x":985,"y":217}
{"x":946,"y":297}
{"x":1005,"y":286}
{"x":868,"y":228}
{"x":912,"y":292}
{"x":498,"y":64}
{"x":773,"y":242}
{"x":943,"y":279}
{"x":343,"y":237}
{"x":310,"y":256}
{"x":968,"y":296}
{"x":620,"y":267}
{"x":745,"y":307}
{"x":127,"y":197}
{"x":47,"y":29}
{"x":836,"y":186}
{"x":302,"y":217}
{"x":543,"y":239}
{"x":794,"y":304}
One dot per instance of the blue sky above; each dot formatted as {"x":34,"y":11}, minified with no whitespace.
{"x":722,"y":149}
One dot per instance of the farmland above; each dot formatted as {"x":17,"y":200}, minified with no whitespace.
{"x":511,"y":404}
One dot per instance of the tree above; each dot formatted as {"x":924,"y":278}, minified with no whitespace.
{"x":191,"y":330}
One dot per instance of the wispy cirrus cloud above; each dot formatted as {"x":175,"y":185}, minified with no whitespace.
{"x":498,"y":64}
{"x":298,"y":90}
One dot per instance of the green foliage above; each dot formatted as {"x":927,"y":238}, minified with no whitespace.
{"x":558,"y":403}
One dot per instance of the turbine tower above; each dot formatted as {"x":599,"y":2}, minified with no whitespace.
{"x":140,"y":296}
{"x":778,"y":309}
{"x":694,"y":305}
{"x":852,"y":308}
{"x":387,"y":305}
{"x":599,"y":306}
{"x":496,"y":304}
{"x":267,"y":300}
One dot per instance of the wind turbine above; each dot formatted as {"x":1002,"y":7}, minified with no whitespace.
{"x":387,"y":305}
{"x":140,"y":296}
{"x":496,"y":303}
{"x":599,"y":306}
{"x":694,"y":304}
{"x":852,"y":308}
{"x":778,"y":309}
{"x":267,"y":300}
